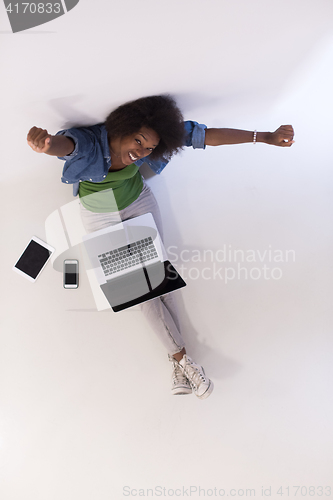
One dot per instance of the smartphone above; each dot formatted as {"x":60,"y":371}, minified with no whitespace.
{"x":33,"y":259}
{"x":71,"y":273}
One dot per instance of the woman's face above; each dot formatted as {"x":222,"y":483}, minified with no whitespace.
{"x":133,"y":147}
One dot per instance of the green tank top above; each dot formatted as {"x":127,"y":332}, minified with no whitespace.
{"x":118,"y":190}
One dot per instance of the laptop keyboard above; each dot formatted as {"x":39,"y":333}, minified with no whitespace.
{"x":128,"y":256}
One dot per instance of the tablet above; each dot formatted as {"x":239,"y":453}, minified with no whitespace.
{"x":33,"y":259}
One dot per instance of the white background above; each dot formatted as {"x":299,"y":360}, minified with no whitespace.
{"x":85,"y":396}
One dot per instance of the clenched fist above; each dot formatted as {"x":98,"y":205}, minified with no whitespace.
{"x":283,"y":136}
{"x":39,"y":140}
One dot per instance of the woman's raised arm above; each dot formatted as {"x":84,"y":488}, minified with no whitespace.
{"x":283,"y":136}
{"x":55,"y":145}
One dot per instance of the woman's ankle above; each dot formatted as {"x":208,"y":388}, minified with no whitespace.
{"x":179,"y":355}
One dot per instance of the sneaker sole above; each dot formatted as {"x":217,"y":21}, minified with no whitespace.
{"x":208,"y":391}
{"x":181,"y":391}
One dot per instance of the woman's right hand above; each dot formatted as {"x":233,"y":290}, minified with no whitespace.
{"x":39,"y":140}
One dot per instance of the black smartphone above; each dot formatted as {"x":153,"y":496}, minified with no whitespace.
{"x":71,"y":273}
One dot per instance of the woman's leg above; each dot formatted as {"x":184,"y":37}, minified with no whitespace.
{"x":160,"y":312}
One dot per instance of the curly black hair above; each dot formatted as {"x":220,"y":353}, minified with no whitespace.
{"x":159,"y":113}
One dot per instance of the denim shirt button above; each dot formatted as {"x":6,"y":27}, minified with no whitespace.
{"x":90,"y":179}
{"x":104,"y":176}
{"x":67,"y":182}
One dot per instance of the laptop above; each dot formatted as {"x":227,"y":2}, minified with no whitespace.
{"x":130,"y":262}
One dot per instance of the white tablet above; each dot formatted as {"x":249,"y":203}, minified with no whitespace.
{"x":33,"y":259}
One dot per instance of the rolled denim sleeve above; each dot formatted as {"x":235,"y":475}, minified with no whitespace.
{"x":195,"y":134}
{"x":83,"y":140}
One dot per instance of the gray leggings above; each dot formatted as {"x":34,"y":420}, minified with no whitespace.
{"x":161,"y":312}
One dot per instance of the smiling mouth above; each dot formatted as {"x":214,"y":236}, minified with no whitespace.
{"x":132,"y":157}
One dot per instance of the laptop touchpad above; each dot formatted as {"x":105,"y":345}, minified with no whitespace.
{"x":125,"y":288}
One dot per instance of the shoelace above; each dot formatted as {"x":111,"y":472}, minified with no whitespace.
{"x":178,"y":375}
{"x":194,"y":374}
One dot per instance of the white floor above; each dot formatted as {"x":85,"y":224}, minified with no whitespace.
{"x":86,"y":409}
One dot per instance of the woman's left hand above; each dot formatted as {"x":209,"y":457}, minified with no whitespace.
{"x":283,"y":136}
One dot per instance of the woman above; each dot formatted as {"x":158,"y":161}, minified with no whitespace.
{"x":105,"y":158}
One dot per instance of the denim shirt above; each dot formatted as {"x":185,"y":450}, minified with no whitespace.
{"x":91,"y":160}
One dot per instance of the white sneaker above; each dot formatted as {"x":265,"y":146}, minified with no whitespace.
{"x":202,"y":386}
{"x":180,"y":384}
